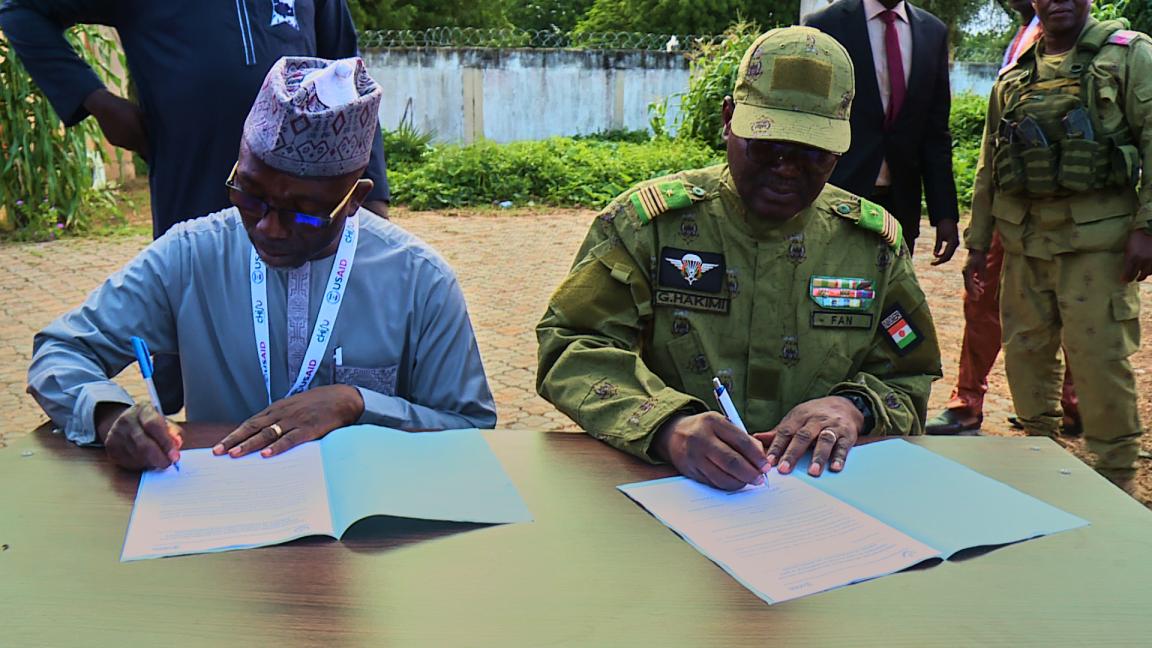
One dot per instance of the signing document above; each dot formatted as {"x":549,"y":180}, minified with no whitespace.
{"x":218,"y":503}
{"x":898,"y":505}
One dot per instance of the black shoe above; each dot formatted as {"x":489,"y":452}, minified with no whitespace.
{"x":1074,"y":429}
{"x":948,"y":422}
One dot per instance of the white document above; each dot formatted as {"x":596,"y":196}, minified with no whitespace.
{"x":220,"y":503}
{"x":319,"y":488}
{"x":783,"y":541}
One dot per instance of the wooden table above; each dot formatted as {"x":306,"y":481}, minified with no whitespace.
{"x":593,"y":570}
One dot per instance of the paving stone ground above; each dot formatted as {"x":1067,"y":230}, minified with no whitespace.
{"x":507,"y":265}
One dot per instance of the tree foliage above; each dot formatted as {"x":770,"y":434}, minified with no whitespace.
{"x":1140,"y":13}
{"x":714,"y":67}
{"x":557,"y":15}
{"x":685,"y":16}
{"x":423,"y":14}
{"x":954,"y":13}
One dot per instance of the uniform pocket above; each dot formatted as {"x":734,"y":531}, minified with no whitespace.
{"x":380,"y":380}
{"x":692,"y":364}
{"x":1126,"y":312}
{"x":835,"y":368}
{"x":1126,"y":303}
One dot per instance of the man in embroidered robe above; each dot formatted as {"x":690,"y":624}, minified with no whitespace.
{"x":798,"y":297}
{"x":295,"y":312}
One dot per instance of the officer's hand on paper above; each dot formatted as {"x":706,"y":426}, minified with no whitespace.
{"x":711,"y":450}
{"x":138,"y":437}
{"x":1138,"y":256}
{"x":974,"y":268}
{"x":288,"y":422}
{"x":829,"y":425}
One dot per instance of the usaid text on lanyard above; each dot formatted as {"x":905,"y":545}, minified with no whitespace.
{"x":325,"y":320}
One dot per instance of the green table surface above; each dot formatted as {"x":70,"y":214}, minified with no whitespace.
{"x":593,"y":569}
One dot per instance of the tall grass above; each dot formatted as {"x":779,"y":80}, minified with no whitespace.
{"x":47,"y":171}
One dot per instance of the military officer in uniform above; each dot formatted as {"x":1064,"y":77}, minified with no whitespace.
{"x":1066,"y":136}
{"x":798,"y":296}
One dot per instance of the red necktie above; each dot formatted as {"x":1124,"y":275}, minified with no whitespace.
{"x":896,"y":84}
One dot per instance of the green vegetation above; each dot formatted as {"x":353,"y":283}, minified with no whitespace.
{"x":557,"y":171}
{"x":557,"y":15}
{"x":423,"y":14}
{"x":967,"y":124}
{"x":685,"y":16}
{"x":713,"y":76}
{"x":46,"y":171}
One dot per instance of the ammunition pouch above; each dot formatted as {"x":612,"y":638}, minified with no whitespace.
{"x":1125,"y":170}
{"x":1079,"y":159}
{"x":1009,"y":168}
{"x":1066,"y":167}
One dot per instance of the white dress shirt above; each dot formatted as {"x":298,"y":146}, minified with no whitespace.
{"x":876,"y":27}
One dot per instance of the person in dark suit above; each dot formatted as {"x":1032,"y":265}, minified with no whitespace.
{"x":901,"y":146}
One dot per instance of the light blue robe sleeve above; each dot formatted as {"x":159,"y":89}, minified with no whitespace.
{"x":75,"y":357}
{"x":447,"y":387}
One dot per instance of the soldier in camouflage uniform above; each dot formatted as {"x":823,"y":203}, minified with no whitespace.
{"x":1067,"y":131}
{"x":800,"y":297}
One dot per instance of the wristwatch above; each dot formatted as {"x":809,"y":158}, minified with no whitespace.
{"x":863,"y":404}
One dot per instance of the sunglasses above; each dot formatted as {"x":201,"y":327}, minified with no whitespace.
{"x":768,"y":153}
{"x":248,"y":203}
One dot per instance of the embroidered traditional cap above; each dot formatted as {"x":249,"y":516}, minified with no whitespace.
{"x":795,"y":84}
{"x":314,"y":117}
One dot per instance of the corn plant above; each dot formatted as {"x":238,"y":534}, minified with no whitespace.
{"x":713,"y":76}
{"x":47,"y":171}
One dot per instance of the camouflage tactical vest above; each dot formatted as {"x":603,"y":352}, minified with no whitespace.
{"x":1050,"y":142}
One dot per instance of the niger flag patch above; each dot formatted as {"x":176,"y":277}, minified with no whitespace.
{"x":899,"y":330}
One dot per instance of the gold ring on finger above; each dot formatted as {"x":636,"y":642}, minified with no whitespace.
{"x":277,"y":430}
{"x":828,"y":433}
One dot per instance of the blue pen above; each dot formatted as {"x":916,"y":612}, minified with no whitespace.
{"x":144,"y":359}
{"x":728,"y":409}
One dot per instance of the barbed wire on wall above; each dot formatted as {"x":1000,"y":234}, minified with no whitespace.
{"x":504,"y":38}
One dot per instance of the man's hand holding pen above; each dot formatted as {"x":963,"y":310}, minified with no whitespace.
{"x":712,"y":450}
{"x":138,"y":437}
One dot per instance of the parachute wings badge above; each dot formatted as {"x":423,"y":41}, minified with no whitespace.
{"x":691,"y":266}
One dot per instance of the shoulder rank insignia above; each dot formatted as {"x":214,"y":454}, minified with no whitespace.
{"x":655,"y":198}
{"x":874,"y":218}
{"x":1123,"y":37}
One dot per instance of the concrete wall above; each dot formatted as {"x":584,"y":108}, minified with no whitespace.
{"x":526,"y":94}
{"x":518,"y":94}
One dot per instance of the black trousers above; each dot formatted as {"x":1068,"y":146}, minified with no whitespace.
{"x":169,"y":379}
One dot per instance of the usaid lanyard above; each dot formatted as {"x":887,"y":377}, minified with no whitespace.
{"x":325,"y":320}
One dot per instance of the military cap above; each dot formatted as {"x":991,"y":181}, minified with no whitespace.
{"x":795,"y":84}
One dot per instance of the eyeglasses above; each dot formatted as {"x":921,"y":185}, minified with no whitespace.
{"x":769,"y":152}
{"x":246,"y":202}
